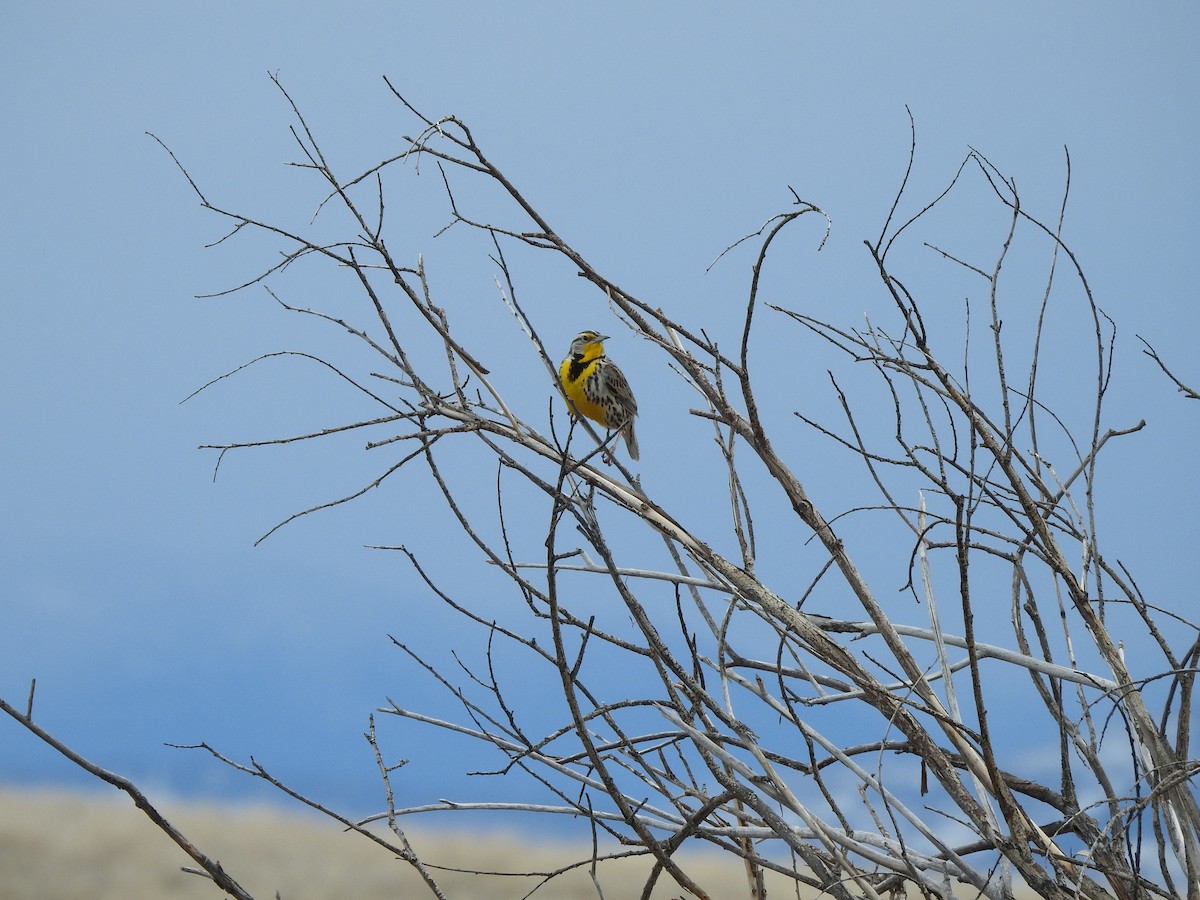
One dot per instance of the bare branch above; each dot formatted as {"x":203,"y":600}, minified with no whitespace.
{"x":210,"y":866}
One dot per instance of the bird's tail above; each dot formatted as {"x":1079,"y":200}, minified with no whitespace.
{"x":631,"y":440}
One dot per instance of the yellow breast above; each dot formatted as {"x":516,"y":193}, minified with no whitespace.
{"x":573,"y":374}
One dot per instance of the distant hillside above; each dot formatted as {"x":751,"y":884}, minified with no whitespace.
{"x":86,"y":846}
{"x":59,"y":845}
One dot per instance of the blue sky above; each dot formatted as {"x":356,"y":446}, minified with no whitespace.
{"x":653,"y":136}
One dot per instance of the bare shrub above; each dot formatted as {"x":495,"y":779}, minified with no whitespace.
{"x":697,"y":699}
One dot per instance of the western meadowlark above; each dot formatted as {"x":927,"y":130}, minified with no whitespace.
{"x":597,"y":388}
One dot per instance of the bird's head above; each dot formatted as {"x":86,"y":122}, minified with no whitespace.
{"x":588,"y":344}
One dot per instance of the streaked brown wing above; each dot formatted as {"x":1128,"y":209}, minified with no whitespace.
{"x":615,"y":380}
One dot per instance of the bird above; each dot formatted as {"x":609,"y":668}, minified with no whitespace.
{"x":596,"y":388}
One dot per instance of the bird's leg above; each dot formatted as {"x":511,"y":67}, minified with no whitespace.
{"x":611,"y":439}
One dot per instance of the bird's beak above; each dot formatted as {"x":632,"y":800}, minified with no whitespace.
{"x":598,"y":338}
